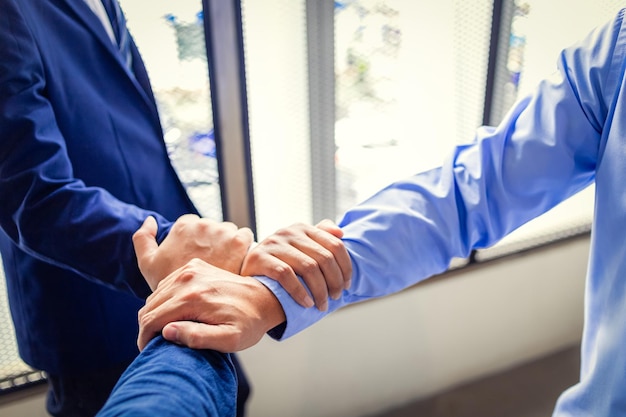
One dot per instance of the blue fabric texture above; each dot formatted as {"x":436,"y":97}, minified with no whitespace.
{"x":168,"y":380}
{"x":83,"y":162}
{"x":568,"y":134}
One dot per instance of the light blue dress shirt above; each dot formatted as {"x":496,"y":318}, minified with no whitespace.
{"x":568,"y":134}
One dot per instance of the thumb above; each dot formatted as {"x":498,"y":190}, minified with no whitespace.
{"x":144,"y":239}
{"x":330,"y":227}
{"x":202,"y":336}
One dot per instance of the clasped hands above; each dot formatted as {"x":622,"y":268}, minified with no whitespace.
{"x":204,"y":295}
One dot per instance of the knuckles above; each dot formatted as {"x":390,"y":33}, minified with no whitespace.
{"x":185,"y":275}
{"x":308,"y":266}
{"x":295,"y":228}
{"x":280,"y":272}
{"x":335,"y":245}
{"x":326,"y":258}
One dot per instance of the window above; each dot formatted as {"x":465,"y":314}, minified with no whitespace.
{"x":408,"y":81}
{"x":535,"y":39}
{"x":170,"y":38}
{"x":13,"y":372}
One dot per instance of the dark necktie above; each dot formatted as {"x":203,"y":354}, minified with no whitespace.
{"x":118,"y":22}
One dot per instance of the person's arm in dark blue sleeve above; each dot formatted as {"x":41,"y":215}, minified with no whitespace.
{"x":171,"y":380}
{"x":46,"y":211}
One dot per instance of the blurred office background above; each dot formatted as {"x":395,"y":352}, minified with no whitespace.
{"x":283,"y":111}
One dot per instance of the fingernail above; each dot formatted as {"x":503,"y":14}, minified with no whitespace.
{"x":308,"y":302}
{"x":171,"y":333}
{"x":348,"y":284}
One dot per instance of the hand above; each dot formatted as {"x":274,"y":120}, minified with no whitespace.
{"x":219,"y":243}
{"x":205,"y":307}
{"x":317,"y":254}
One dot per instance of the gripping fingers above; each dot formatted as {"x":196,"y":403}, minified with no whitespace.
{"x":329,"y":226}
{"x":308,"y":268}
{"x":281,"y":271}
{"x":326,"y":266}
{"x":275,"y":264}
{"x":223,"y":337}
{"x":158,"y":311}
{"x":332,"y":242}
{"x":148,"y":329}
{"x":320,"y":248}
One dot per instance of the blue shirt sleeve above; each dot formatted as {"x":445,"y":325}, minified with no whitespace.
{"x":544,"y":151}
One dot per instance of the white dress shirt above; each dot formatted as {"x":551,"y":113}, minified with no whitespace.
{"x":98,"y":8}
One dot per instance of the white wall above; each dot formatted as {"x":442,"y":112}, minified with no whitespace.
{"x":387,"y":352}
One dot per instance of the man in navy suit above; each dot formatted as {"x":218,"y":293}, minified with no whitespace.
{"x":82,"y":165}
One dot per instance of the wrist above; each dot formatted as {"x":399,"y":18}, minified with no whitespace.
{"x":270,"y":310}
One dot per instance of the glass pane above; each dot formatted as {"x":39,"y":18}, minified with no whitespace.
{"x":410,"y":84}
{"x":170,"y":38}
{"x":401,"y":99}
{"x":13,"y":372}
{"x":537,"y":38}
{"x":276,"y":75}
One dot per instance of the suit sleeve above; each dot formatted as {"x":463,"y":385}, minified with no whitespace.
{"x":545,"y":150}
{"x":171,"y":380}
{"x":45,"y":211}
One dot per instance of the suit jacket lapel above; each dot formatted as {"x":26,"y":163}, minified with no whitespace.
{"x":81,"y":11}
{"x":142,"y":82}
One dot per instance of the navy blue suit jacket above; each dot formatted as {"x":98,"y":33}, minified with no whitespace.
{"x":82,"y":164}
